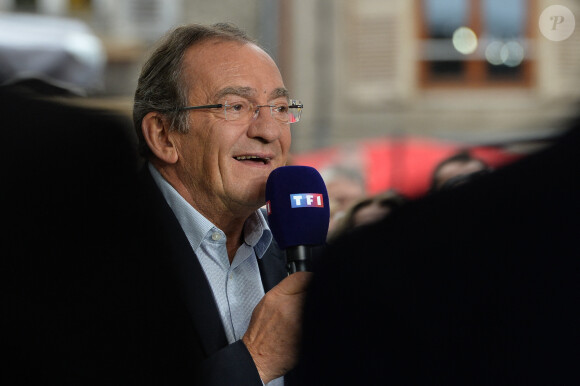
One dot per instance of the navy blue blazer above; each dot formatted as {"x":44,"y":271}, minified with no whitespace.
{"x":182,"y":328}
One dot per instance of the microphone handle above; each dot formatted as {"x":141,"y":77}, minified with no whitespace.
{"x":299,"y":258}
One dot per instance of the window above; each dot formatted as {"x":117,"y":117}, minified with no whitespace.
{"x":25,"y":5}
{"x":51,"y":7}
{"x":476,"y":43}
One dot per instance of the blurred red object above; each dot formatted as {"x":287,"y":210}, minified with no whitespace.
{"x":403,"y":163}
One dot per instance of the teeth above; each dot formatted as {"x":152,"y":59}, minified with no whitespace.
{"x":247,"y":157}
{"x":244,"y":157}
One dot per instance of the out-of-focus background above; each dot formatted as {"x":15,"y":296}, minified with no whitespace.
{"x":390,"y":87}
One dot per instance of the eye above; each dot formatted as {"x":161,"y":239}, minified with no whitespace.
{"x":282,"y":109}
{"x":238,"y":106}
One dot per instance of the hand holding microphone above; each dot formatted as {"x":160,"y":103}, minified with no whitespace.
{"x":274,"y":334}
{"x":298,"y":213}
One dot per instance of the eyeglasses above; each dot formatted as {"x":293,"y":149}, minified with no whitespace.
{"x":246,"y":111}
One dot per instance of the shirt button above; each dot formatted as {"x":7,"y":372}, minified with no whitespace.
{"x":216,"y":236}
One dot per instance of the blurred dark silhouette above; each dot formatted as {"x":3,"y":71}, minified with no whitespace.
{"x":67,"y":180}
{"x":476,"y":285}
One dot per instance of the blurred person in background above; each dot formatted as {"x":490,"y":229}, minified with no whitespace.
{"x":345,"y":185}
{"x":457,"y":169}
{"x":367,"y":211}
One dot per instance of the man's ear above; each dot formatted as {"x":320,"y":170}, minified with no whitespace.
{"x":156,"y":132}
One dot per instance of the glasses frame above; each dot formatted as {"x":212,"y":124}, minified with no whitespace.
{"x":294,"y":104}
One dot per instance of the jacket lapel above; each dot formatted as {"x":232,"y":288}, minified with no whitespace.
{"x":272,"y":266}
{"x":186,"y":270}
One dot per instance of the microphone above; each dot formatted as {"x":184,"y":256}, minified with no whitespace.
{"x":298,"y":213}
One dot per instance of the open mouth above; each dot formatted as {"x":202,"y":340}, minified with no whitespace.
{"x":252,"y":158}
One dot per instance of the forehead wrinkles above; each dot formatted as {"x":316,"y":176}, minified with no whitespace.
{"x":206,"y":56}
{"x":215,"y":61}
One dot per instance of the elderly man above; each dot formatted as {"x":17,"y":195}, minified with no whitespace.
{"x":213,"y":118}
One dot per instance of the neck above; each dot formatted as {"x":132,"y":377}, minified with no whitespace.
{"x":221,"y":215}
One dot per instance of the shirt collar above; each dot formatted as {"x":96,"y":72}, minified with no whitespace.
{"x":257,"y":233}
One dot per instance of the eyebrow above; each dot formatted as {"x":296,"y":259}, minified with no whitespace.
{"x":248,"y":92}
{"x":279,"y":92}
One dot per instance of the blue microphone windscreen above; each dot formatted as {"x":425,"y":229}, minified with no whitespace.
{"x":297,"y":205}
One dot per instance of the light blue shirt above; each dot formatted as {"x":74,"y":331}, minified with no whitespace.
{"x":237,"y":287}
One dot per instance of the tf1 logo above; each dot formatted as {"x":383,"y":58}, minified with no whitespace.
{"x":302,"y":200}
{"x":307,"y":200}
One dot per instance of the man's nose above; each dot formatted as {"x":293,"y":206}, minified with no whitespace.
{"x":267,"y":127}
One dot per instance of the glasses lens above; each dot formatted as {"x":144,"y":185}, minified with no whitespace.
{"x":237,"y":109}
{"x":294,"y":111}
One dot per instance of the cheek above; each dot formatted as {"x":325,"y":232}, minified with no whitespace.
{"x":204,"y":143}
{"x":286,"y":141}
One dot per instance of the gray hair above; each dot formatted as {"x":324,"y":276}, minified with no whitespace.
{"x":161,"y":86}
